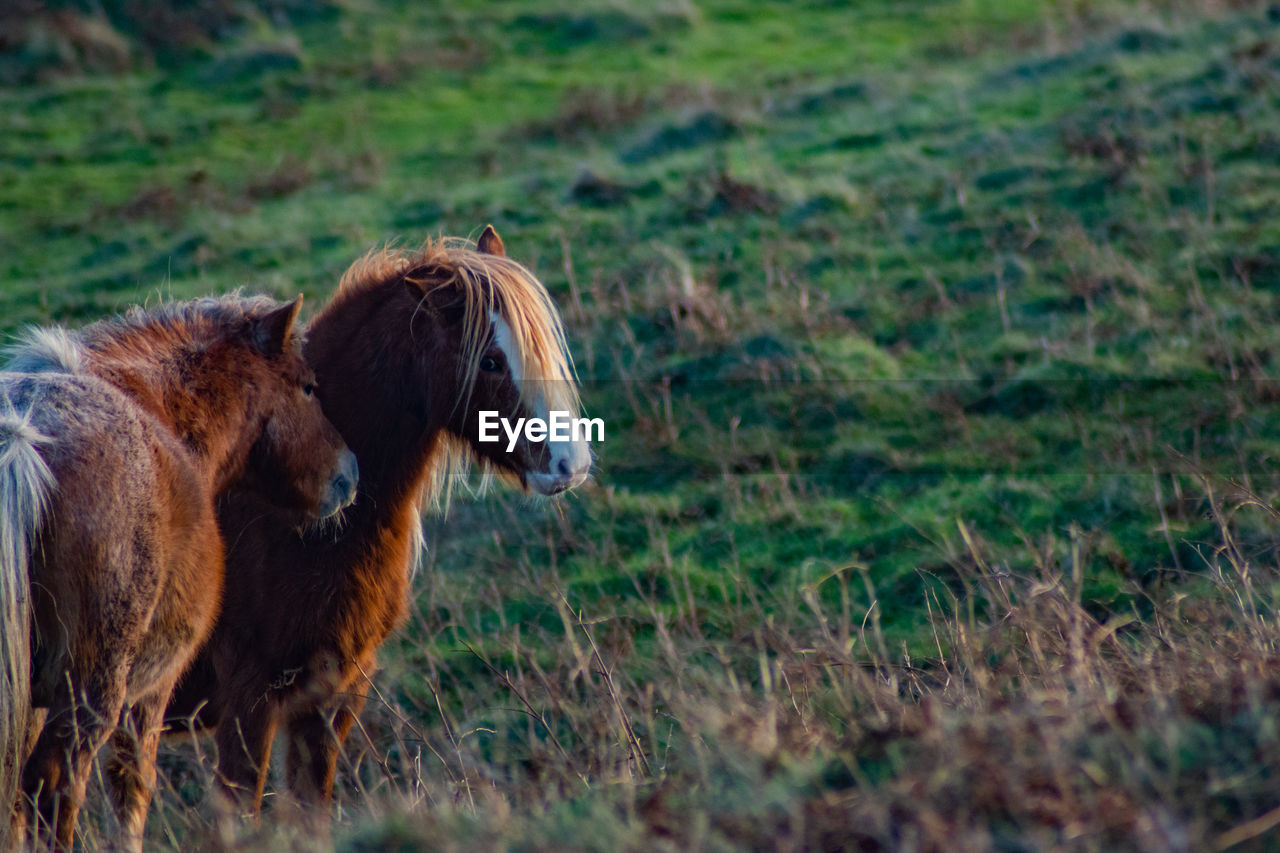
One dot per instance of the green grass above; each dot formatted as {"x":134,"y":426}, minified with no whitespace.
{"x":880,"y":306}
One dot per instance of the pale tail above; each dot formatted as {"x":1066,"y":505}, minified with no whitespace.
{"x":25,"y":485}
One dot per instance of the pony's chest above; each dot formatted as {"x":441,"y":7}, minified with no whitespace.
{"x":363,"y":599}
{"x":375,"y":600}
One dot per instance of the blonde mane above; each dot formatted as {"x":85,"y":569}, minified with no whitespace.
{"x":486,"y":283}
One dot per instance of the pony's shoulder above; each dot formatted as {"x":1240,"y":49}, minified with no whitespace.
{"x":52,"y":350}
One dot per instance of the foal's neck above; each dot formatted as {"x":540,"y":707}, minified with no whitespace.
{"x":205,"y":414}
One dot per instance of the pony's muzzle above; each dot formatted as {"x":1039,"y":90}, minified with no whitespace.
{"x":341,"y":490}
{"x":569,"y":466}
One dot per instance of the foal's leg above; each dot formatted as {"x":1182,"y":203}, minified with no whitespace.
{"x":131,"y":772}
{"x":57,"y":772}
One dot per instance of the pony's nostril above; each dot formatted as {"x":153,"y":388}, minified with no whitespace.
{"x":563,"y":468}
{"x":348,"y":475}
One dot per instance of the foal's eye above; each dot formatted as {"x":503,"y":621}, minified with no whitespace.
{"x":309,"y":389}
{"x":489,"y":364}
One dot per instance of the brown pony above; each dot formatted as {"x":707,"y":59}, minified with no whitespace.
{"x":114,"y":442}
{"x":410,"y":349}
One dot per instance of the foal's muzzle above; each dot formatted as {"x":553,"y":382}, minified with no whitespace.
{"x":341,"y":490}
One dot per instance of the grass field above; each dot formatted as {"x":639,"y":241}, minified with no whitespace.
{"x":934,"y":341}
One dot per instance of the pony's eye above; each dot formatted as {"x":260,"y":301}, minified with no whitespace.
{"x":489,"y":364}
{"x":309,"y":389}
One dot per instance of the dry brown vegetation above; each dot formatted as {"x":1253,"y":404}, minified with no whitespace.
{"x":1036,"y":725}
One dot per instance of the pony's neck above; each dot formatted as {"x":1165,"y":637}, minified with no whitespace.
{"x":203,"y":415}
{"x":361,"y":362}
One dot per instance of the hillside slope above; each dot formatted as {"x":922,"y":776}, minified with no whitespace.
{"x":934,"y":343}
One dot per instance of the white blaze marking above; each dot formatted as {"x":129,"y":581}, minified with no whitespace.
{"x":572,"y":449}
{"x":502,"y":337}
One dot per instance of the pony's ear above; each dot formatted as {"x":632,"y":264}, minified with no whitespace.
{"x":271,"y":331}
{"x":415,"y":283}
{"x":414,"y":288}
{"x":490,"y":243}
{"x":446,"y":304}
{"x":449,"y":306}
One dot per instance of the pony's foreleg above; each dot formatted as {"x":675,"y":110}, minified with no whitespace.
{"x":57,"y":773}
{"x":244,"y":752}
{"x":316,"y":736}
{"x":131,"y":772}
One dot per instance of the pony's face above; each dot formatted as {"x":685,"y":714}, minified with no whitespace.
{"x":506,"y":397}
{"x":508,"y":373}
{"x":299,"y":461}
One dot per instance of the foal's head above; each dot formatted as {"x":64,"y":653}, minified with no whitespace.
{"x":227,"y":376}
{"x":483,"y":336}
{"x":297,"y":459}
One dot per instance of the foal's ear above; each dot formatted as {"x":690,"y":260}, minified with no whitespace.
{"x":490,"y":243}
{"x":271,"y":331}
